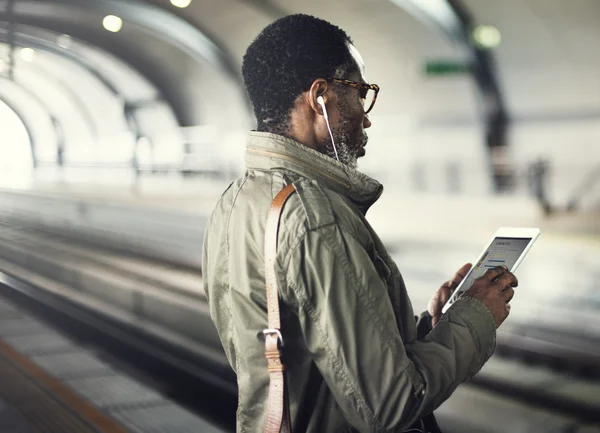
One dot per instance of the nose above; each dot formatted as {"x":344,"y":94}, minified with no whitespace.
{"x":366,"y":122}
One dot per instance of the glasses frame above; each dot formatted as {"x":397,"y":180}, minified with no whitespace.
{"x":361,"y":86}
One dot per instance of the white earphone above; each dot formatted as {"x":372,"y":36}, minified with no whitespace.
{"x":321,"y":102}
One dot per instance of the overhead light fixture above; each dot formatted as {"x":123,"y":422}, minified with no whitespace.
{"x":487,"y":36}
{"x":112,"y":23}
{"x":64,"y":41}
{"x":27,"y":54}
{"x":181,"y":3}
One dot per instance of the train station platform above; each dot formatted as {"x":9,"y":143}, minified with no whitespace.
{"x":152,"y":231}
{"x":64,"y":372}
{"x":133,"y":254}
{"x":51,"y":384}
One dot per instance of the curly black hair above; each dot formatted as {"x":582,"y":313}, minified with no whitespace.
{"x":285,"y":59}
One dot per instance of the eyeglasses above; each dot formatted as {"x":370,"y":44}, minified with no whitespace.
{"x":368,"y":92}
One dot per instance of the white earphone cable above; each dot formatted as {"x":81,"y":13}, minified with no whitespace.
{"x":322,"y":102}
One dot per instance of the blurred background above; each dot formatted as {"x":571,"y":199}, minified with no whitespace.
{"x":122,"y":122}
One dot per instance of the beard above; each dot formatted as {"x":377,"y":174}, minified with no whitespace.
{"x":349,"y":143}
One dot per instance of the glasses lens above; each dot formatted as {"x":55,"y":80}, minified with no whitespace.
{"x":369,"y":98}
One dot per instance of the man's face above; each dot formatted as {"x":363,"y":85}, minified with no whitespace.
{"x":349,"y":122}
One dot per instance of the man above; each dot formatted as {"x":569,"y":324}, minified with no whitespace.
{"x":354,"y":358}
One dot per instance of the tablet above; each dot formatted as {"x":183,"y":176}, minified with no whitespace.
{"x":507,"y":248}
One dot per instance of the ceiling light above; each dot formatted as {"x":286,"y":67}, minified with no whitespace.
{"x":112,"y":23}
{"x":487,"y":36}
{"x":181,"y":3}
{"x":64,"y":41}
{"x":27,"y":54}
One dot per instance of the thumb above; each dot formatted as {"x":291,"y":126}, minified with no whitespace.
{"x":461,"y":273}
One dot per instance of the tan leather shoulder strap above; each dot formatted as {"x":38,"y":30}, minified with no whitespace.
{"x":278,"y":417}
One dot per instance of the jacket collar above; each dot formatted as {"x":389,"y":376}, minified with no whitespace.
{"x":266,"y":151}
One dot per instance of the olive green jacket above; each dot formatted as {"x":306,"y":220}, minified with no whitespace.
{"x":354,"y":362}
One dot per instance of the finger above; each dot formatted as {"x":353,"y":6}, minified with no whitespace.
{"x":444,"y":294}
{"x":460,"y":275}
{"x":434,"y":320}
{"x":494,"y":273}
{"x":509,"y":293}
{"x":449,"y":285}
{"x":507,"y":279}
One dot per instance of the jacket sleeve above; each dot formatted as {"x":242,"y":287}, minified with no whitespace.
{"x":349,"y":327}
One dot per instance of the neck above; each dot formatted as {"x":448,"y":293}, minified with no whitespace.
{"x":301,"y":127}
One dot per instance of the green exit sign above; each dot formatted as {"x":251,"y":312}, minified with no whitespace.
{"x":446,"y":67}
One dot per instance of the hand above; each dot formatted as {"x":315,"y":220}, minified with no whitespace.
{"x":495,"y":290}
{"x":442,"y":295}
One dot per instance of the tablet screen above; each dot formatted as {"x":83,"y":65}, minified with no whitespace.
{"x":502,"y":252}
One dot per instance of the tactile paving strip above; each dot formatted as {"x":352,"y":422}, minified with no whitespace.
{"x":115,"y":392}
{"x":66,"y":389}
{"x":44,"y":412}
{"x":76,"y":365}
{"x":163,"y":419}
{"x":44,"y":403}
{"x":45,"y":343}
{"x":20,"y":326}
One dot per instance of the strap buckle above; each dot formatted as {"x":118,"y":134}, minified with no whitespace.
{"x":271,"y":331}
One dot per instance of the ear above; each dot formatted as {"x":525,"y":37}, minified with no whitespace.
{"x":318,"y":88}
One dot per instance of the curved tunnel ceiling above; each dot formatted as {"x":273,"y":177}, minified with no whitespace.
{"x":394,"y":52}
{"x":70,"y":112}
{"x":200,"y":93}
{"x":118,"y":77}
{"x":83,"y":105}
{"x":62,"y":80}
{"x":194,"y":76}
{"x":102,"y":76}
{"x":90,"y":88}
{"x":113,"y":90}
